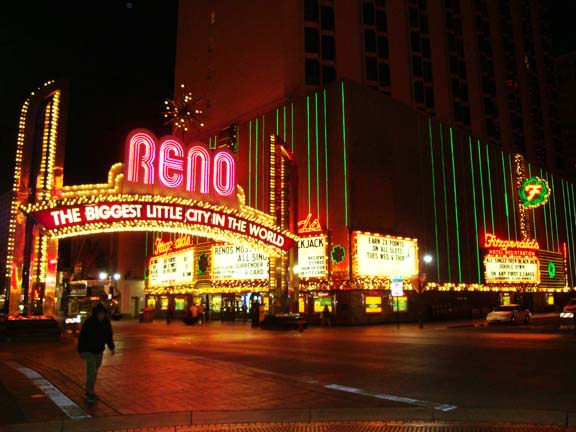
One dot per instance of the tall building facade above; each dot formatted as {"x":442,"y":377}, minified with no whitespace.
{"x":566,"y":82}
{"x":483,"y":66}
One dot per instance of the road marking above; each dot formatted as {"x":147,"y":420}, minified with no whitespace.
{"x":67,"y":405}
{"x":338,"y":387}
{"x":393,"y":398}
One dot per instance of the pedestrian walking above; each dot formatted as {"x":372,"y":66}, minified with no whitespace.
{"x":194,"y":313}
{"x":96,"y":333}
{"x":255,"y":314}
{"x":170,"y":313}
{"x":326,"y":317}
{"x":201,"y":313}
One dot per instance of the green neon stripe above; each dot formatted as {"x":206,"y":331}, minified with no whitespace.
{"x":545,"y":219}
{"x":550,"y":219}
{"x":490,"y":187}
{"x":456,"y":208}
{"x":555,"y":214}
{"x":574,"y":218}
{"x":567,"y":222}
{"x":473,"y":178}
{"x":533,"y":212}
{"x":256,"y":167}
{"x":345,"y":151}
{"x":512,"y":196}
{"x":277,"y":122}
{"x":326,"y":162}
{"x":571,"y":210}
{"x":505,"y":193}
{"x":317,"y":157}
{"x":445,"y":205}
{"x":284,"y":123}
{"x":308,"y":152}
{"x":250,"y":163}
{"x":433,"y":170}
{"x":292,"y":126}
{"x":481,"y":185}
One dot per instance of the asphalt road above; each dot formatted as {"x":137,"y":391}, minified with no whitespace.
{"x":160,"y":368}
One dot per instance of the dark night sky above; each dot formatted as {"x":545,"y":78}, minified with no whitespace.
{"x":118,"y":57}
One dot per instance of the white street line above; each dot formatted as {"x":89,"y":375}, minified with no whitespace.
{"x":67,"y":405}
{"x":383,"y":396}
{"x":393,"y":398}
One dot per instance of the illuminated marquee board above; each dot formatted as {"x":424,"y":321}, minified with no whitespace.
{"x":382,"y":256}
{"x":70,"y":216}
{"x":172,"y":269}
{"x":312,"y":257}
{"x":230,"y":262}
{"x":511,"y":261}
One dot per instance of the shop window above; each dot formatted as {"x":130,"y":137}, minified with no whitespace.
{"x":180,"y":304}
{"x":301,"y":305}
{"x":164,"y":301}
{"x":151,"y":303}
{"x":312,"y":72}
{"x":328,"y":48}
{"x":370,"y":41}
{"x":321,"y":302}
{"x":373,"y":304}
{"x":327,"y":18}
{"x":311,"y":40}
{"x":216,"y":304}
{"x":399,"y":304}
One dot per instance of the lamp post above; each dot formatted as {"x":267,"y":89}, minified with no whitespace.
{"x":109,"y":277}
{"x":427,"y":259}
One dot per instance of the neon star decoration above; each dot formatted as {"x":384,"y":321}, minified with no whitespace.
{"x":534,"y":192}
{"x":185,"y":113}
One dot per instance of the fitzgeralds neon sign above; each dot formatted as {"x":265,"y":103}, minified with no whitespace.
{"x":493,"y":242}
{"x":168,"y":163}
{"x":534,"y":192}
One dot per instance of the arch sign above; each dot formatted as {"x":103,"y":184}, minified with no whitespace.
{"x":162,"y":185}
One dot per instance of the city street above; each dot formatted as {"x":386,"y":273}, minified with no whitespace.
{"x":227,"y":367}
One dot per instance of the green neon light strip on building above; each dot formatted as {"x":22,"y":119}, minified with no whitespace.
{"x":573,"y":200}
{"x":317,"y":157}
{"x":456,"y":208}
{"x":292,"y":126}
{"x":567,"y":223}
{"x":534,"y":222}
{"x":445,"y":205}
{"x":250,"y":163}
{"x":513,"y":197}
{"x":308,"y":163}
{"x":473,"y":178}
{"x":550,"y":218}
{"x":490,"y":187}
{"x":571,"y":210}
{"x":504,"y":174}
{"x":326,"y":161}
{"x":345,"y":155}
{"x":481,"y":185}
{"x":545,"y":219}
{"x":277,"y":122}
{"x":284,"y":124}
{"x":433,"y":170}
{"x":553,"y":196}
{"x":256,"y":167}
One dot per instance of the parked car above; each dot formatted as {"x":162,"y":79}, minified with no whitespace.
{"x":569,"y":310}
{"x":511,"y":314}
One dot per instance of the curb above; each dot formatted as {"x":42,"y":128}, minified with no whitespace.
{"x":304,"y":415}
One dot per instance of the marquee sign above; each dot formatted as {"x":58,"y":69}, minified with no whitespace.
{"x":172,"y":269}
{"x":230,"y":262}
{"x":381,"y":256}
{"x":511,"y":261}
{"x":534,"y":192}
{"x":66,"y":217}
{"x":313,"y":257}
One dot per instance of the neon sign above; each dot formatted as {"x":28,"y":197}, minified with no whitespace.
{"x":169,"y":164}
{"x":493,"y":242}
{"x":308,"y":225}
{"x":534,"y":192}
{"x":163,"y":247}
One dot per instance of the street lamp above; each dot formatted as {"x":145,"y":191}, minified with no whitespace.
{"x":427,"y":258}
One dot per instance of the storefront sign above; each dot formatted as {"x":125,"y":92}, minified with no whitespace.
{"x":231,"y":262}
{"x":312,"y":259}
{"x":70,"y":216}
{"x":493,"y":242}
{"x":384,"y":256}
{"x":172,"y":269}
{"x":309,"y":225}
{"x":534,"y":192}
{"x":512,"y":267}
{"x":169,"y":164}
{"x":373,"y":304}
{"x":163,"y":247}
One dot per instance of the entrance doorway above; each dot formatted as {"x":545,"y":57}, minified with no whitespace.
{"x":134,"y":307}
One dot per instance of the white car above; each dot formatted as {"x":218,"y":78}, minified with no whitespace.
{"x":569,"y":310}
{"x":511,"y":314}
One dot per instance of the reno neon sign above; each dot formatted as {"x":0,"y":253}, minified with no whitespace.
{"x":168,"y":163}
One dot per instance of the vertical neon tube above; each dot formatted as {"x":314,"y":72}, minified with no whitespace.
{"x":550,"y":219}
{"x":574,"y":218}
{"x":545,"y":219}
{"x":284,"y":124}
{"x":480,"y":170}
{"x":512,"y":197}
{"x":445,"y":204}
{"x":317,"y":156}
{"x":533,"y":212}
{"x":490,"y":187}
{"x":567,"y":223}
{"x":250,"y":163}
{"x":571,"y":210}
{"x":309,"y":170}
{"x":433,"y":171}
{"x":345,"y":154}
{"x":456,"y":216}
{"x":277,"y":122}
{"x":555,"y":214}
{"x":505,"y":193}
{"x":326,"y":162}
{"x":256,"y":135}
{"x":473,"y":178}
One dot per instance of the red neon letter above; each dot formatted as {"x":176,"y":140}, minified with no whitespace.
{"x":224,"y":181}
{"x":170,"y":168}
{"x":141,"y":154}
{"x":200,"y":154}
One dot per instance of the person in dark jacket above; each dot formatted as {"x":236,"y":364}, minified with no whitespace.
{"x":96,"y":333}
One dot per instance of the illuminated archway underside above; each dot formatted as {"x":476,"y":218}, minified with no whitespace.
{"x":67,"y":216}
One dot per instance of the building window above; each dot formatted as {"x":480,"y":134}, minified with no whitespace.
{"x":311,"y":10}
{"x":328,"y":48}
{"x":369,"y":41}
{"x":371,"y":69}
{"x":311,"y":40}
{"x":319,"y":42}
{"x":327,"y":18}
{"x":312,"y":72}
{"x":376,"y":54}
